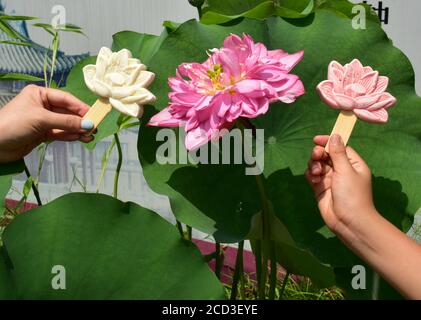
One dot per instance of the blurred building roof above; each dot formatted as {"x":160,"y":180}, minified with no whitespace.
{"x":30,"y":59}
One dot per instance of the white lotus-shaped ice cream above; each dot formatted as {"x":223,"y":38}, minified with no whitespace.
{"x":123,"y":80}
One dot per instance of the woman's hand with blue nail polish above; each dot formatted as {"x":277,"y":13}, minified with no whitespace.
{"x":38,"y":115}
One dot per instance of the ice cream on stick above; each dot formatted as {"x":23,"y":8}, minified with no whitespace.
{"x":359,"y":92}
{"x":120,"y":81}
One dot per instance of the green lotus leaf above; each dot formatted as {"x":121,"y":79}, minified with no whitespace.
{"x":108,"y":250}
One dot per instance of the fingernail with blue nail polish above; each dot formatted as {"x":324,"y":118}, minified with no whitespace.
{"x":87,"y":124}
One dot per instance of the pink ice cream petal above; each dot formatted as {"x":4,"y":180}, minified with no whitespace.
{"x":366,"y":102}
{"x":385,"y":101}
{"x":367,"y":70}
{"x":291,"y":60}
{"x":336,"y":74}
{"x":357,"y":88}
{"x":378,"y":116}
{"x":344,"y":102}
{"x":336,"y":71}
{"x":369,"y":81}
{"x":325,"y":90}
{"x":164,"y":119}
{"x":354,"y":72}
{"x":382,"y":84}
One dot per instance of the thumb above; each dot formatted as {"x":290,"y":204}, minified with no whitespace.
{"x":338,"y":155}
{"x":67,"y":122}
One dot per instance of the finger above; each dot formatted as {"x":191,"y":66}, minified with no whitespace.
{"x":59,"y":99}
{"x":338,"y":154}
{"x":63,"y":111}
{"x":66,"y":122}
{"x":63,"y":136}
{"x":353,"y":156}
{"x":321,"y":140}
{"x":312,"y":180}
{"x":319,"y":153}
{"x":326,"y":168}
{"x":357,"y":162}
{"x":86,"y":139}
{"x":315,"y":167}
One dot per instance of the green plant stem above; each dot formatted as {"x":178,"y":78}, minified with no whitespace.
{"x":284,"y":285}
{"x":56,"y":44}
{"x":199,"y":11}
{"x":267,"y":243}
{"x":180,"y":229}
{"x":34,"y":187}
{"x":119,"y":164}
{"x":104,"y":166}
{"x":238,"y":271}
{"x":218,"y":260}
{"x":189,"y":233}
{"x":258,"y":257}
{"x":273,"y":273}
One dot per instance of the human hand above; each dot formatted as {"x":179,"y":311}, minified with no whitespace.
{"x":341,"y":181}
{"x":38,"y":115}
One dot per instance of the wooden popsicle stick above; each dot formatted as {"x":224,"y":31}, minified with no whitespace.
{"x":98,"y":112}
{"x":344,"y":125}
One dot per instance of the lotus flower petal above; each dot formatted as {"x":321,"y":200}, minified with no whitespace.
{"x":238,"y":80}
{"x":165,"y":119}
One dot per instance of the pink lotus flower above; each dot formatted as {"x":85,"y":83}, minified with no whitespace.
{"x":359,"y":89}
{"x":239,"y":80}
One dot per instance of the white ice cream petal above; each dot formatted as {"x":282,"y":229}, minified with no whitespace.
{"x":122,"y":92}
{"x":89,"y":72}
{"x":145,"y":78}
{"x":134,"y":74}
{"x":105,"y":52}
{"x":117,"y":78}
{"x":121,"y":78}
{"x":101,"y":88}
{"x":142,"y":96}
{"x":131,"y":109}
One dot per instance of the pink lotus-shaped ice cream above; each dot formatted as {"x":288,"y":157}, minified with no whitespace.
{"x":358,"y":89}
{"x":239,"y":80}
